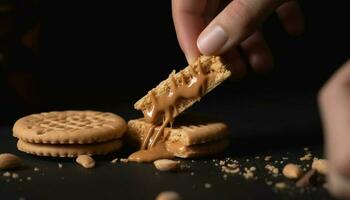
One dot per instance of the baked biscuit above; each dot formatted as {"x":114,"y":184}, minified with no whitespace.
{"x":69,"y":127}
{"x":69,"y":150}
{"x":216,"y":71}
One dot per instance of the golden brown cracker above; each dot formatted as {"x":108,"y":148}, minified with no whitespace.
{"x":69,"y":127}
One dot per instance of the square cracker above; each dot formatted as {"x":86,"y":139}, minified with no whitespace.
{"x":212,"y":64}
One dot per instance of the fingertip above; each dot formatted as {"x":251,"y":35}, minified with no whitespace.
{"x":292,"y":18}
{"x":261,"y":63}
{"x":235,"y":63}
{"x":191,"y":58}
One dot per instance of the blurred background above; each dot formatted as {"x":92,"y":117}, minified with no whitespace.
{"x":105,"y":55}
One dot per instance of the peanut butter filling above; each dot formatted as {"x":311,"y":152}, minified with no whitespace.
{"x":162,"y":110}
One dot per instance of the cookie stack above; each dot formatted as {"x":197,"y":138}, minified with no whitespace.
{"x":69,"y":133}
{"x":190,"y":136}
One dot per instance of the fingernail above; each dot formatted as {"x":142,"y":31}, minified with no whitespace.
{"x":212,"y":41}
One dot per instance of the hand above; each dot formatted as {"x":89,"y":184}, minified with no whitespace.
{"x":334,"y":101}
{"x":203,"y":27}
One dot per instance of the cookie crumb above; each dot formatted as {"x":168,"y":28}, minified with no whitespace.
{"x":167,"y":165}
{"x":232,"y":165}
{"x":192,"y":173}
{"x":224,"y":176}
{"x":307,"y":156}
{"x":248,"y":174}
{"x":257,"y":157}
{"x":168,"y":195}
{"x":6,"y":174}
{"x":60,"y":165}
{"x":280,"y":185}
{"x":272,"y":169}
{"x":292,"y":171}
{"x":85,"y":161}
{"x":36,"y":169}
{"x":320,"y":165}
{"x":267,"y":158}
{"x":114,"y":160}
{"x":15,"y":175}
{"x":207,"y":185}
{"x":124,"y":160}
{"x":29,"y":178}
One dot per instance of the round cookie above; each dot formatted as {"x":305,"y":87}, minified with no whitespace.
{"x":69,"y":150}
{"x":69,"y":127}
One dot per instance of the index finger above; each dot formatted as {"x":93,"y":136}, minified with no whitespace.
{"x":189,"y":21}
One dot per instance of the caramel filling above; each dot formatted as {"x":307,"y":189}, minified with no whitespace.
{"x":164,"y":108}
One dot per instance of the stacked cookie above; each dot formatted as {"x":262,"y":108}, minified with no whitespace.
{"x":160,"y":134}
{"x":190,"y":136}
{"x":69,"y":133}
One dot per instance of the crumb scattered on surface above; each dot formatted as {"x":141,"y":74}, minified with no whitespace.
{"x":207,"y":185}
{"x":267,"y":158}
{"x":60,"y":165}
{"x":36,"y":169}
{"x":168,"y":195}
{"x":280,"y":185}
{"x":167,"y":165}
{"x":307,"y":156}
{"x":15,"y":175}
{"x":124,"y":160}
{"x":320,"y":165}
{"x":292,"y":171}
{"x":6,"y":174}
{"x":272,"y":169}
{"x":248,"y":174}
{"x":192,"y":173}
{"x":29,"y":178}
{"x":114,"y":160}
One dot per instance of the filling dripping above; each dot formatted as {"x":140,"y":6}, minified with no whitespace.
{"x":164,"y":108}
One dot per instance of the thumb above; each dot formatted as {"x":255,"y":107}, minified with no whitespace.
{"x":235,"y":23}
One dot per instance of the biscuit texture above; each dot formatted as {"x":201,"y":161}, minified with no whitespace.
{"x":188,"y":130}
{"x":188,"y":138}
{"x":198,"y":150}
{"x":69,"y":127}
{"x":212,"y":64}
{"x":69,"y":150}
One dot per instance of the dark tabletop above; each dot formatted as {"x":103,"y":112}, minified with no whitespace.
{"x":278,"y":125}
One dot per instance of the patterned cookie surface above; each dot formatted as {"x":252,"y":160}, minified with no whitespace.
{"x":69,"y":150}
{"x":69,"y":127}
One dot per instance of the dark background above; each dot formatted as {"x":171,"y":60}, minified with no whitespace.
{"x":105,"y":55}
